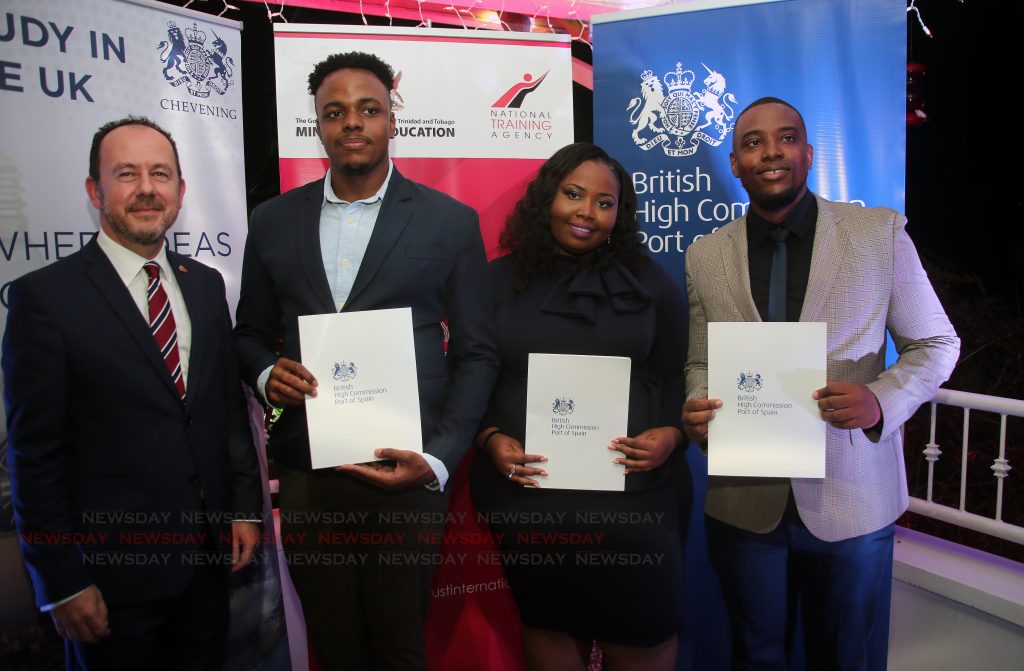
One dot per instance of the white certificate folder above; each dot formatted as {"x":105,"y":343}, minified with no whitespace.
{"x":575,"y":405}
{"x":367,"y":393}
{"x":765,"y":373}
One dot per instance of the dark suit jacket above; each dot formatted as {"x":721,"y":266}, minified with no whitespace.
{"x":425,"y":253}
{"x":100,"y":444}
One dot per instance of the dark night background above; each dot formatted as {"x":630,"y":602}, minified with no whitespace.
{"x":964,"y":206}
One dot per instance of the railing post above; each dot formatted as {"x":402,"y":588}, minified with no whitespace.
{"x":963,"y":461}
{"x":1001,"y":468}
{"x":932,"y":451}
{"x":993,"y":526}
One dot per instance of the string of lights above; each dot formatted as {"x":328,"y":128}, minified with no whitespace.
{"x":542,"y":10}
{"x":474,"y":15}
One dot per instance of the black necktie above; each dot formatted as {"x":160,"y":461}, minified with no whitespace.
{"x":777,"y":282}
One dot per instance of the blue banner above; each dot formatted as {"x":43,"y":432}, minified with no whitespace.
{"x":670,"y":82}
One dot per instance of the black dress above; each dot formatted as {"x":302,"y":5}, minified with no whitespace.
{"x":602,"y":565}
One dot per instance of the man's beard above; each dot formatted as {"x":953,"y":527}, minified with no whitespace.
{"x":141,"y":237}
{"x":777,"y":201}
{"x":356,"y":169}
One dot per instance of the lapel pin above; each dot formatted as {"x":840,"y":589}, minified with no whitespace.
{"x":182,"y":268}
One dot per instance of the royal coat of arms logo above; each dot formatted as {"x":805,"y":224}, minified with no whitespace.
{"x":343,"y":371}
{"x":187,"y":61}
{"x":563,"y":406}
{"x":682,"y":119}
{"x":749,"y":382}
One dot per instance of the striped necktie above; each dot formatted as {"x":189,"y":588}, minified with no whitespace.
{"x":162,"y":327}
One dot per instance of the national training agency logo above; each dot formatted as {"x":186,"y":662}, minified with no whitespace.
{"x":514,"y":97}
{"x":749,"y":382}
{"x":682,"y":119}
{"x":510,"y":122}
{"x":188,"y":61}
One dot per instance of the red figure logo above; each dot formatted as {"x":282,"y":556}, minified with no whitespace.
{"x":514,"y":96}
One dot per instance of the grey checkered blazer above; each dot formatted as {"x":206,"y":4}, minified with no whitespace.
{"x":865,"y":277}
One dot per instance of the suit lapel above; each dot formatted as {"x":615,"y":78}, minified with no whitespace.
{"x":100,"y":272}
{"x":310,"y":256}
{"x":395,"y":213}
{"x":736,"y":270}
{"x":830,"y":246}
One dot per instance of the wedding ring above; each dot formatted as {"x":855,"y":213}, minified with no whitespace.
{"x":512,"y":472}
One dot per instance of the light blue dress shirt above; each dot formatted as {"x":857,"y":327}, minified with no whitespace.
{"x":345,"y":230}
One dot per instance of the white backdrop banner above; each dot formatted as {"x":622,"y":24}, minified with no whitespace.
{"x":66,"y":68}
{"x":478,"y":112}
{"x":69,"y":66}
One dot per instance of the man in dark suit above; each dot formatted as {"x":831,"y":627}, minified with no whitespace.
{"x":133,"y":473}
{"x":366,"y":238}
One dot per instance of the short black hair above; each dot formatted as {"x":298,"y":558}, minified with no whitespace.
{"x":767,"y":100}
{"x":130,"y":120}
{"x":358,"y":60}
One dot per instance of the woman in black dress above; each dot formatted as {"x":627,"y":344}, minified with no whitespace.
{"x":606,"y":566}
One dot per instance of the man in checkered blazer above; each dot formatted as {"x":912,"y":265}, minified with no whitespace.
{"x":824,"y":545}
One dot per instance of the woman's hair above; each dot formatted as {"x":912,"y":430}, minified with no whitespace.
{"x":528,"y":229}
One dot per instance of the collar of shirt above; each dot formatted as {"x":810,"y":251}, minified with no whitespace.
{"x":127,"y":263}
{"x":800,"y":221}
{"x":329,"y":196}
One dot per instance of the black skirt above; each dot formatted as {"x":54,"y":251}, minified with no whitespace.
{"x":595,"y":565}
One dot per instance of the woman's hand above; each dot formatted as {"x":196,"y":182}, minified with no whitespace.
{"x":648,"y":450}
{"x":510,"y":459}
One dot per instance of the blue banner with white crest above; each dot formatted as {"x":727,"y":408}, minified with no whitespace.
{"x":669,"y":83}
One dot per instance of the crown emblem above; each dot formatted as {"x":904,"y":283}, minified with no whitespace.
{"x":194,"y":35}
{"x":680,"y":80}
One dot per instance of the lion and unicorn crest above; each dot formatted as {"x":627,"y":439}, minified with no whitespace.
{"x":681,"y":119}
{"x":187,"y":61}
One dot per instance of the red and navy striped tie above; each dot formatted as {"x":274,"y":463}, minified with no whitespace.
{"x":161,"y":325}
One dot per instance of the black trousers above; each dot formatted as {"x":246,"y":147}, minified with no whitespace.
{"x":187,"y":632}
{"x":362,"y":561}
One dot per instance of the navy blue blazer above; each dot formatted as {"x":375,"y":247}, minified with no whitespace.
{"x":425,"y":253}
{"x":111,"y":472}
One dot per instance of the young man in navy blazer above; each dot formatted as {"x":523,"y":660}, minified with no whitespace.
{"x":365,"y":238}
{"x":133,"y":475}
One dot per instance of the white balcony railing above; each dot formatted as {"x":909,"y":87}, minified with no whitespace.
{"x":994,"y":526}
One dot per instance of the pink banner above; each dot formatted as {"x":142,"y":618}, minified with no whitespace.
{"x":477,"y":114}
